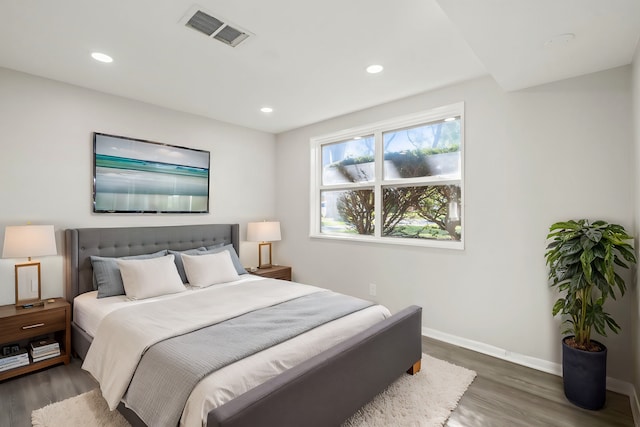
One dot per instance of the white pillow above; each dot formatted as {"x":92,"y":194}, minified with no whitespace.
{"x":146,"y":278}
{"x":207,"y":270}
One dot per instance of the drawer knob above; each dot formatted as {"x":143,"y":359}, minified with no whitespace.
{"x":37,"y":325}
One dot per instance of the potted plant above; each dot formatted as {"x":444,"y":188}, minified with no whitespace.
{"x":581,"y":258}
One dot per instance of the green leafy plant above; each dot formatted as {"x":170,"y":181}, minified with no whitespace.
{"x":581,"y":258}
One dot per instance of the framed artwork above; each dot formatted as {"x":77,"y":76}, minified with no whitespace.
{"x":137,"y":176}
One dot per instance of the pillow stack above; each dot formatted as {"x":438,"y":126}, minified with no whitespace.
{"x":106,"y":274}
{"x":165,"y":272}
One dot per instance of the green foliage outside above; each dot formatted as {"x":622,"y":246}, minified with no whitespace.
{"x":409,"y":212}
{"x":409,"y":160}
{"x":357,"y":209}
{"x":403,"y":207}
{"x":354,"y":161}
{"x":413,"y":163}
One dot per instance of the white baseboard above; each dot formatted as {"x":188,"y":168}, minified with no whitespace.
{"x":500,"y":353}
{"x":613,"y":384}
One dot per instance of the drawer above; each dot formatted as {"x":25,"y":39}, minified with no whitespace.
{"x":31,"y":325}
{"x":280,"y":274}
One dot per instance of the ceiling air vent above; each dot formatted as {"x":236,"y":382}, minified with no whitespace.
{"x":216,"y":28}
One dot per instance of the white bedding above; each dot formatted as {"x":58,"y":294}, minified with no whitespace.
{"x":88,"y":310}
{"x":113,"y":365}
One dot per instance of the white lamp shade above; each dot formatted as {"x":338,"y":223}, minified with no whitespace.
{"x":266,"y":231}
{"x":23,"y":241}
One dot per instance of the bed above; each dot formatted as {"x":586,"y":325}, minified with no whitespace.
{"x":323,"y":389}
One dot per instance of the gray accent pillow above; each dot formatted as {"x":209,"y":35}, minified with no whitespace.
{"x":216,"y":246}
{"x":106,"y":274}
{"x":180,"y":264}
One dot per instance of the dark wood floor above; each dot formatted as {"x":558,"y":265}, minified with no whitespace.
{"x":21,"y":395}
{"x":502,"y":395}
{"x":508,"y":395}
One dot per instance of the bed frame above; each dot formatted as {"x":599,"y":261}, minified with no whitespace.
{"x":322,"y":391}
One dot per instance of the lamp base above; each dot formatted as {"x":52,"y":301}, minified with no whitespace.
{"x":27,"y":283}
{"x":264,"y":254}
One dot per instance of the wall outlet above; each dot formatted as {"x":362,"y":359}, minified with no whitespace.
{"x":372,"y":289}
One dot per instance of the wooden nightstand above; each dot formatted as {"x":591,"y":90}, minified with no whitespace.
{"x":281,"y":272}
{"x":21,"y":325}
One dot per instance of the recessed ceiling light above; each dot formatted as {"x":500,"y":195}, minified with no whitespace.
{"x":374,"y":69}
{"x":102,"y":57}
{"x":560,"y":39}
{"x":266,"y":110}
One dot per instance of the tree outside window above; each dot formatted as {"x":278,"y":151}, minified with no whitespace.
{"x":394,"y":182}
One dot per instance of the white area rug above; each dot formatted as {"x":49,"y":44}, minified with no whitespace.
{"x":87,"y":410}
{"x":422,"y":400}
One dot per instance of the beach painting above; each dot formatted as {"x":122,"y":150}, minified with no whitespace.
{"x":137,"y":176}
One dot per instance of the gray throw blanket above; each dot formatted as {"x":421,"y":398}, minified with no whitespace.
{"x":169,"y":370}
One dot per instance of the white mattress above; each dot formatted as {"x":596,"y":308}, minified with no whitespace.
{"x":235,"y":379}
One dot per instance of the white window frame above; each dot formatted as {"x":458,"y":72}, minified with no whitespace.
{"x":377,"y":129}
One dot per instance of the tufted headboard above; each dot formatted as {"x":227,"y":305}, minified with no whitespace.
{"x":82,"y":243}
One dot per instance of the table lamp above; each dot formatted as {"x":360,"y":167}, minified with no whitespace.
{"x":26,"y":241}
{"x":264,"y":232}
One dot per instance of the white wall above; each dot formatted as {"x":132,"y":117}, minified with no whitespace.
{"x":533,"y":157}
{"x":46,"y":164}
{"x":635,"y":290}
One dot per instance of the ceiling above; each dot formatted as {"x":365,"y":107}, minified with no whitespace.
{"x":307,"y":59}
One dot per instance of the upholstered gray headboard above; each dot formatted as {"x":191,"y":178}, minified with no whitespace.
{"x":82,"y":243}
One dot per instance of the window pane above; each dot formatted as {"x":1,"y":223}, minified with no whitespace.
{"x":429,"y":212}
{"x":348,"y":161}
{"x":425,"y":150}
{"x":347,"y":212}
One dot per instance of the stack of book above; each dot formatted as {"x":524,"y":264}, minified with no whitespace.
{"x":44,"y":349}
{"x":15,"y":360}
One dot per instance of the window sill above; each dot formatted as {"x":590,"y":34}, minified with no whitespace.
{"x":426,"y":243}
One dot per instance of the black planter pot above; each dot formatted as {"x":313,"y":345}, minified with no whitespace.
{"x":584,"y":375}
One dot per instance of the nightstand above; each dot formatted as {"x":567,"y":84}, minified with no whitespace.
{"x":21,"y":325}
{"x":281,"y":272}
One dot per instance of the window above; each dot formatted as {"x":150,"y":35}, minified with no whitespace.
{"x":399,"y":181}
